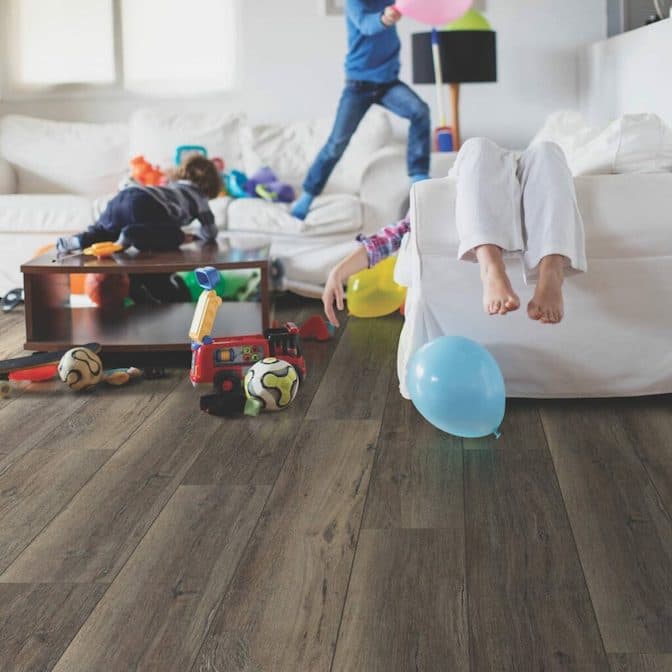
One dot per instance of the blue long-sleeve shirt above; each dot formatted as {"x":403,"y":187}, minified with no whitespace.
{"x":373,"y":49}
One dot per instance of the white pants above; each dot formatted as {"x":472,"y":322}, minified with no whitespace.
{"x":523,"y":203}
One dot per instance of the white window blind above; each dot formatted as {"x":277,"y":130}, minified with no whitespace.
{"x":173,"y":46}
{"x":58,"y":42}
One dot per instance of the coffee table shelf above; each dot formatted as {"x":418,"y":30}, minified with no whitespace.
{"x":52,"y":323}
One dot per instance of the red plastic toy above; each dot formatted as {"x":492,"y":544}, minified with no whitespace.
{"x":223,"y":362}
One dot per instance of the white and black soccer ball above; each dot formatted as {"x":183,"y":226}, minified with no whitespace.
{"x":273,"y":382}
{"x":80,"y":369}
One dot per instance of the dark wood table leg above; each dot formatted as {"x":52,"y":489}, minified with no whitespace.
{"x":47,"y":310}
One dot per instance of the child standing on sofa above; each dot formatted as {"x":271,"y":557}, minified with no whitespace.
{"x":507,"y":203}
{"x":371,"y":70}
{"x":152,"y":218}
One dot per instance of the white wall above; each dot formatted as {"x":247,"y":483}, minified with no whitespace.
{"x":628,"y":73}
{"x":291,"y":67}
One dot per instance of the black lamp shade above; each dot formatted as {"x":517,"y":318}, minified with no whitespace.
{"x":466,"y":56}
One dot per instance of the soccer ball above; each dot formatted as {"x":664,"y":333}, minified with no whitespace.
{"x":80,"y":369}
{"x":273,"y":382}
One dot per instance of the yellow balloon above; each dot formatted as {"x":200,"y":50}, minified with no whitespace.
{"x":374,"y":293}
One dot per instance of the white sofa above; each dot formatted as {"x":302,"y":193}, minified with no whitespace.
{"x":615,"y":339}
{"x":55,"y":177}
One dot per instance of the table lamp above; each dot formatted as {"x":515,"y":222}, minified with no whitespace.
{"x":466,"y":52}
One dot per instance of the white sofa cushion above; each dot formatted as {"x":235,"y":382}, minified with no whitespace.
{"x":634,"y":143}
{"x":57,"y":213}
{"x":52,"y":157}
{"x":155,"y":134}
{"x":290,"y":149}
{"x":330,"y":214}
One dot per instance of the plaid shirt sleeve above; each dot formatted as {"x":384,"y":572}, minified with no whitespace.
{"x":385,"y":242}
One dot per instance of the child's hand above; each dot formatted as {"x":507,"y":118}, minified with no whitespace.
{"x":333,"y":292}
{"x":390,"y":16}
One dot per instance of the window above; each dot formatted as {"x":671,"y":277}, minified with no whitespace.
{"x":146,"y":46}
{"x":178,"y":46}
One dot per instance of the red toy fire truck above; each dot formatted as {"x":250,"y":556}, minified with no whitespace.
{"x":223,"y":362}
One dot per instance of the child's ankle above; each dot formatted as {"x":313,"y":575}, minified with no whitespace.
{"x":302,"y":205}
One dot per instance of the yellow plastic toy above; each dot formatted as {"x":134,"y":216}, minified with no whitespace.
{"x":374,"y":293}
{"x":103,"y":250}
{"x":204,"y":315}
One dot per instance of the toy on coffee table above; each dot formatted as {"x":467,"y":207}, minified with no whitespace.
{"x":224,"y":362}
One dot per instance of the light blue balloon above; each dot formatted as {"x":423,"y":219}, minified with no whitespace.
{"x":457,"y":385}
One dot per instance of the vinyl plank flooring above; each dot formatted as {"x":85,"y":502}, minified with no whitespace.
{"x":640,"y":662}
{"x":622,"y":529}
{"x":91,"y":539}
{"x":285,"y":601}
{"x":42,"y":408}
{"x":35,"y":489}
{"x":356,"y":383}
{"x":406,"y":607}
{"x":252,"y":450}
{"x":37,"y":622}
{"x":417,"y":478}
{"x":529,"y":607}
{"x":179,"y":585}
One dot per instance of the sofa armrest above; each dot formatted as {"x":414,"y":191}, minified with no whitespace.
{"x":442,"y":162}
{"x":385,"y":188}
{"x":7,"y":178}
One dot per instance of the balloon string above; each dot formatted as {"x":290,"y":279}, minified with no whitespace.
{"x":497,"y":433}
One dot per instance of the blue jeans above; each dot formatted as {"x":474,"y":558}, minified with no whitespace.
{"x":356,"y":99}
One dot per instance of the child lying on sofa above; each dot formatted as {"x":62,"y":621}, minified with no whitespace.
{"x":506,"y":203}
{"x":153,"y":217}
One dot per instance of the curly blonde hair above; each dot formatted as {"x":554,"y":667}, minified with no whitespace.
{"x":202,"y":173}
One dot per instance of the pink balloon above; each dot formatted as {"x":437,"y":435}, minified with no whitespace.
{"x":433,"y":12}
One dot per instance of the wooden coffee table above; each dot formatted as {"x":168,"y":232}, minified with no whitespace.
{"x":52,"y":323}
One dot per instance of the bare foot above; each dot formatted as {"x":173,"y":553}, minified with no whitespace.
{"x":547,"y":305}
{"x":498,"y":295}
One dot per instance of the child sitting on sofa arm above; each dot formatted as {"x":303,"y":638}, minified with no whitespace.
{"x":152,"y":218}
{"x":506,"y":203}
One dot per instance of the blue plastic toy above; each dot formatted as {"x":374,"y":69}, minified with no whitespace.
{"x":457,"y":385}
{"x":189,"y":149}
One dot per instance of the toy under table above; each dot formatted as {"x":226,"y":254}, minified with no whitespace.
{"x":52,"y":323}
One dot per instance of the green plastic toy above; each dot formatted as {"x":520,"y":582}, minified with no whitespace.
{"x":232,"y":285}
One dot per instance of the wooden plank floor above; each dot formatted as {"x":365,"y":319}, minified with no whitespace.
{"x":342,"y":535}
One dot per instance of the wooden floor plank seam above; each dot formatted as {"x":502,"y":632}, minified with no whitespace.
{"x":359,"y":534}
{"x":571,"y":527}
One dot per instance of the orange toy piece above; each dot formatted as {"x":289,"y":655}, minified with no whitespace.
{"x":103,"y":250}
{"x":107,"y":291}
{"x":76,"y":279}
{"x":145,"y":173}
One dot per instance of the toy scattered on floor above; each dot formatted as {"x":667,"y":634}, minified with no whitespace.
{"x":457,"y":385}
{"x":316,"y":328}
{"x":118,"y":377}
{"x":12,"y":299}
{"x":432,"y":12}
{"x":25,"y":367}
{"x":373,"y":292}
{"x":80,"y":369}
{"x":107,"y":290}
{"x":223,"y":362}
{"x":5,"y":389}
{"x":38,"y":374}
{"x":145,"y":173}
{"x":271,"y":384}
